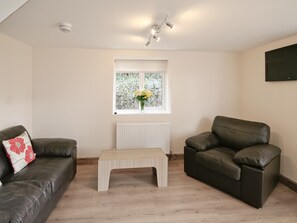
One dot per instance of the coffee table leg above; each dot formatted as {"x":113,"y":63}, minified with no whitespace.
{"x":154,"y":171}
{"x":162,"y":172}
{"x":103,"y":175}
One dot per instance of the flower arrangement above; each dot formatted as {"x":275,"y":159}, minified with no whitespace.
{"x":142,"y":96}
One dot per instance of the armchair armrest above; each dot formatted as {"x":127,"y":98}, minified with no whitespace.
{"x":54,"y":147}
{"x":203,"y":141}
{"x":259,"y":155}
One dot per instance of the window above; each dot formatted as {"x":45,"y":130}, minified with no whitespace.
{"x":131,"y":75}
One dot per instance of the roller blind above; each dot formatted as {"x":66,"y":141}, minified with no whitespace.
{"x":140,"y":65}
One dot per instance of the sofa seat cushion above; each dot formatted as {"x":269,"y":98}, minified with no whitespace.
{"x":220,"y":160}
{"x":23,"y":200}
{"x":4,"y":216}
{"x":56,"y":170}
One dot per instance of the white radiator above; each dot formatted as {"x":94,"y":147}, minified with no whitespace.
{"x":143,"y":135}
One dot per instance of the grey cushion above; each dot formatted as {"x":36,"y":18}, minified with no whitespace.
{"x":203,"y":141}
{"x":259,"y":155}
{"x":220,"y":160}
{"x":238,"y":134}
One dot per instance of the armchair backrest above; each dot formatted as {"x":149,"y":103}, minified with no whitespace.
{"x":238,"y":134}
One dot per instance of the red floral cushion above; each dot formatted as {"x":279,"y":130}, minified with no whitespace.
{"x":19,"y":151}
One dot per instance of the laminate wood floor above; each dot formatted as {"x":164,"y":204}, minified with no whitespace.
{"x":134,"y":197}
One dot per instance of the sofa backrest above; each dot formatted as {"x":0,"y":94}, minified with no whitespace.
{"x":5,"y":166}
{"x":238,"y":134}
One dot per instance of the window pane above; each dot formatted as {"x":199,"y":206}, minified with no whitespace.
{"x":155,"y":83}
{"x":126,"y":85}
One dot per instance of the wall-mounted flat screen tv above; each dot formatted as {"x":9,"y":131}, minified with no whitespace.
{"x":281,"y":64}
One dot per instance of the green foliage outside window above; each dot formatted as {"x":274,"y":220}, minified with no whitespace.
{"x":154,"y":83}
{"x":128,"y":83}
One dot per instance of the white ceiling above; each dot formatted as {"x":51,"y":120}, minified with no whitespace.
{"x":7,"y":7}
{"x":208,"y":25}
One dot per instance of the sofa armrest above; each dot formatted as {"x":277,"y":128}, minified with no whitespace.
{"x":259,"y":155}
{"x":54,"y":147}
{"x":203,"y":141}
{"x":4,"y":217}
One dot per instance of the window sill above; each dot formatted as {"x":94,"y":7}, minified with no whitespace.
{"x":142,"y":113}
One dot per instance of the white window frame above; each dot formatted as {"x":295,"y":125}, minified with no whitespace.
{"x":165,"y":109}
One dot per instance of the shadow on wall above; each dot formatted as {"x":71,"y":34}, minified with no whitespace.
{"x":290,"y":166}
{"x":276,"y":139}
{"x":178,"y":142}
{"x":286,"y":162}
{"x":204,"y":125}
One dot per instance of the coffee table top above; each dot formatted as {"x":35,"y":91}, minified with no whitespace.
{"x":127,"y":154}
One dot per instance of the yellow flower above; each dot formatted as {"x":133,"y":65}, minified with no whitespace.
{"x":142,"y":95}
{"x":138,"y":93}
{"x":148,"y":93}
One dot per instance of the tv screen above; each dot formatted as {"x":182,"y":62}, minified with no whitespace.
{"x":281,"y":64}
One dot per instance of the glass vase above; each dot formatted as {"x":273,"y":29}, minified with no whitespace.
{"x":142,"y":106}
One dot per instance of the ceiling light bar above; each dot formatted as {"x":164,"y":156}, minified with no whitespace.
{"x":156,"y":30}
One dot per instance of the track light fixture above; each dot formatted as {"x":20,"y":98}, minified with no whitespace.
{"x":156,"y":30}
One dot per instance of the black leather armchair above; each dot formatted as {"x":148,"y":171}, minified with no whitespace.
{"x":236,"y":158}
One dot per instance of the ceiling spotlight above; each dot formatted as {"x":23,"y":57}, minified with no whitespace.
{"x":157,"y":38}
{"x":171,"y":26}
{"x":65,"y":27}
{"x":156,"y":30}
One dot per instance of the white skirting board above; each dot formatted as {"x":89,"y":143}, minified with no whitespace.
{"x":143,"y":135}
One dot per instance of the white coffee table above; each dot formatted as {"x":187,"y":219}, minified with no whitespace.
{"x":132,"y":158}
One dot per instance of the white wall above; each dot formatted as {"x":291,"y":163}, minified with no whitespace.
{"x":271,"y":102}
{"x":72,"y":94}
{"x":15,"y":83}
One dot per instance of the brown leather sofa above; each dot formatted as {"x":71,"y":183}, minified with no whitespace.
{"x":235,"y":157}
{"x":31,"y":194}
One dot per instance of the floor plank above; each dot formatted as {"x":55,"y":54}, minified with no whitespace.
{"x":133,"y":196}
